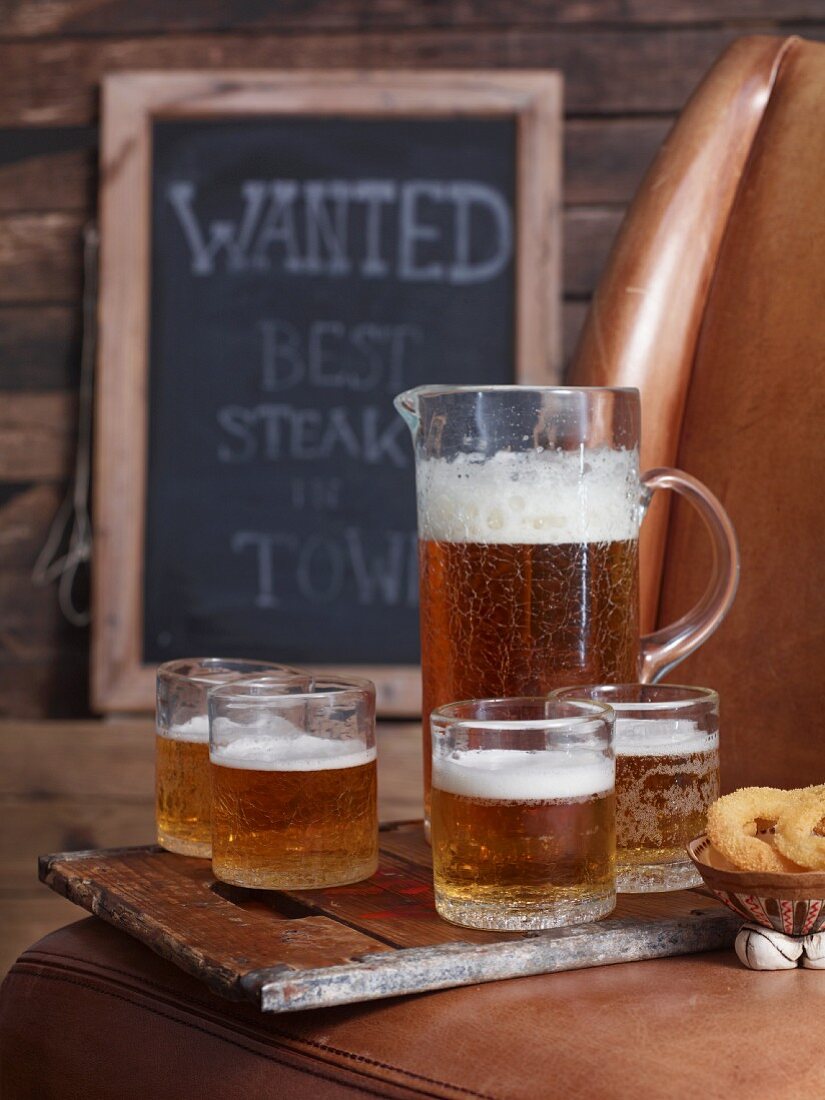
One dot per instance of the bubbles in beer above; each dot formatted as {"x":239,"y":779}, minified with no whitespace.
{"x":667,"y":774}
{"x":535,"y":497}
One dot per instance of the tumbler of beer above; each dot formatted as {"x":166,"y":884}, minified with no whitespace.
{"x":293,"y":784}
{"x":182,"y":791}
{"x":523,"y":813}
{"x":667,"y":774}
{"x":529,"y":505}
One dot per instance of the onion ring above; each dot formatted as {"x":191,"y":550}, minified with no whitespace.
{"x":732,"y":827}
{"x":795,"y":837}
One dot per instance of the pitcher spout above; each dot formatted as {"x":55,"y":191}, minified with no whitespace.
{"x":406,"y":404}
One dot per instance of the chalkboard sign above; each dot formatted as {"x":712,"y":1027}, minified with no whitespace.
{"x":309,"y":246}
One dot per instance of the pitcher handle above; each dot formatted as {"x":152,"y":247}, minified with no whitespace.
{"x":665,"y":648}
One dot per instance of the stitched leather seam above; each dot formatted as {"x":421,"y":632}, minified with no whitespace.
{"x":287,"y":1035}
{"x":130,"y":974}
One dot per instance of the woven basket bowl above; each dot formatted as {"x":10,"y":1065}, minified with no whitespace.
{"x":789,"y":903}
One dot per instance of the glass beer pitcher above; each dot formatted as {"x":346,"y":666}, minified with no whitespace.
{"x":529,"y":505}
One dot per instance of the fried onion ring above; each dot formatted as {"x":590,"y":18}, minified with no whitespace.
{"x":795,"y":837}
{"x":732,"y":827}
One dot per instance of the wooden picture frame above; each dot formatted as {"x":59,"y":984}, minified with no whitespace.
{"x":120,"y":681}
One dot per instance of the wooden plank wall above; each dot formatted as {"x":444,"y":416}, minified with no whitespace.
{"x":629,"y":66}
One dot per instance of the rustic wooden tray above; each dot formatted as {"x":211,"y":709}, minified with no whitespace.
{"x":379,"y":938}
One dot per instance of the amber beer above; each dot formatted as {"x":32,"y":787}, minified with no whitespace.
{"x":667,"y":774}
{"x":529,"y":575}
{"x":182,"y":788}
{"x":298,"y":813}
{"x":522,"y":838}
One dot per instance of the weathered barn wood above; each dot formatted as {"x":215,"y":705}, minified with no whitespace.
{"x":617,"y":71}
{"x":78,"y":17}
{"x":380,"y":938}
{"x":39,"y":347}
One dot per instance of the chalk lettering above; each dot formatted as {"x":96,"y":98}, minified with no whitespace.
{"x":325,"y":229}
{"x":380,"y":575}
{"x":418,"y":230}
{"x":382,"y":569}
{"x":222,"y":235}
{"x":365,"y":356}
{"x":265,"y":546}
{"x":279,"y":227}
{"x":412,"y":231}
{"x":465,"y":196}
{"x":374,"y":194}
{"x":236,"y":423}
{"x":281,"y":362}
{"x":322,"y":334}
{"x":323,"y":494}
{"x":320,"y":572}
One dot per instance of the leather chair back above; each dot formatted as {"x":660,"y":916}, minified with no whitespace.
{"x":713,"y":304}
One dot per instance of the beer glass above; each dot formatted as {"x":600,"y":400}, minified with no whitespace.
{"x":529,"y":504}
{"x":523,"y":813}
{"x":666,"y":739}
{"x":293,"y":783}
{"x":182,"y":792}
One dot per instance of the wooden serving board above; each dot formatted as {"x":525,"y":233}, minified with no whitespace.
{"x":379,"y":938}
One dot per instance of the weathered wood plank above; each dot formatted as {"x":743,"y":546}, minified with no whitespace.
{"x":428,"y":968}
{"x":37,"y":434}
{"x":26,"y":512}
{"x":628,"y":70}
{"x":40,"y":346}
{"x":32,"y":623}
{"x":47,"y":169}
{"x":166,"y":901}
{"x":221,"y":934}
{"x":107,"y":761}
{"x":396,"y":904}
{"x":40,"y":257}
{"x":589,"y":233}
{"x":605,"y":159}
{"x":50,"y":685}
{"x":31,"y":18}
{"x":65,"y":824}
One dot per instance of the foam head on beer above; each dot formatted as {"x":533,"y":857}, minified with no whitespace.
{"x":513,"y":775}
{"x":281,"y":746}
{"x":543,"y":497}
{"x":195,"y":729}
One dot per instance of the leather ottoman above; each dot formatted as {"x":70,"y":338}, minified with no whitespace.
{"x":88,"y":1012}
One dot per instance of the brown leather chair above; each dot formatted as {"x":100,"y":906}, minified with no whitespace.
{"x":714,"y":305}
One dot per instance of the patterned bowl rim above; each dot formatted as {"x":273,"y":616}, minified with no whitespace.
{"x":792,"y":886}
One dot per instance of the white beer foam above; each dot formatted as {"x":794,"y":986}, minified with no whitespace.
{"x":285,"y":748}
{"x":661,"y":737}
{"x":195,"y":729}
{"x":536,"y":497}
{"x":516,"y":775}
